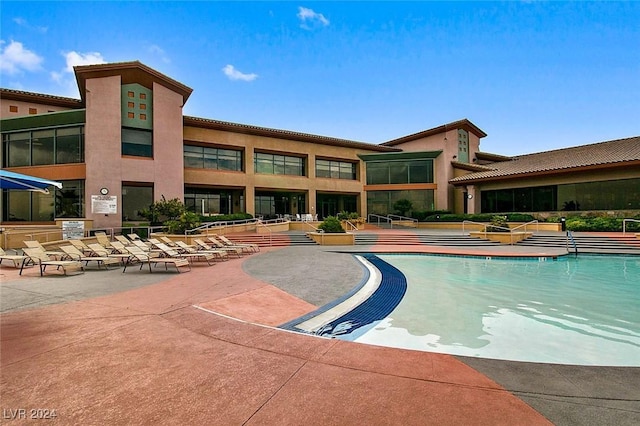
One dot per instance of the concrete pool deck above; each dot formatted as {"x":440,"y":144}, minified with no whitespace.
{"x":141,"y":348}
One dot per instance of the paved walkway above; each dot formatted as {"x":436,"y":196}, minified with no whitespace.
{"x":139,"y":348}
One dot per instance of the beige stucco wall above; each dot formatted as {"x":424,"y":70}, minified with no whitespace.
{"x":107,"y":168}
{"x":446,"y":197}
{"x":23,"y":108}
{"x":102,"y":146}
{"x":251,"y":182}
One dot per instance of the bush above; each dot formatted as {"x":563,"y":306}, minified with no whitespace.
{"x":498,"y":224}
{"x":403,"y":206}
{"x":186,"y":221}
{"x":226,"y":217}
{"x":331,"y":225}
{"x":480,"y":217}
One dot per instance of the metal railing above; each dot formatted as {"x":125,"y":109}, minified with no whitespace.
{"x":573,"y":243}
{"x":352,"y":227}
{"x":221,"y":224}
{"x":263,"y":224}
{"x":485,"y":225}
{"x":398,"y":218}
{"x":378,"y":218}
{"x":524,"y":225}
{"x":624,"y":224}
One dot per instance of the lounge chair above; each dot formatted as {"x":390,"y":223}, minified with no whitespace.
{"x":168,"y":241}
{"x":40,"y":258}
{"x":74,"y":253}
{"x":141,"y":245}
{"x":133,"y":237}
{"x":220,"y":246}
{"x":187,"y":249}
{"x":104,"y":241}
{"x":17,"y":259}
{"x":139,"y":256}
{"x":37,"y":245}
{"x":100,"y":251}
{"x":203,"y":245}
{"x":122,"y":239}
{"x":254,"y":247}
{"x":118,"y":247}
{"x":80,"y":245}
{"x":191,"y":257}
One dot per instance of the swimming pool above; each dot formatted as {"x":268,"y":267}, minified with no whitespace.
{"x":583,"y":311}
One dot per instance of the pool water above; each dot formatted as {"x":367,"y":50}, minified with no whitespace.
{"x":583,"y":311}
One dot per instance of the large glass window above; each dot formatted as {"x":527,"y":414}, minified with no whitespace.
{"x":278,"y":164}
{"x":212,"y":158}
{"x":335,"y":169}
{"x":381,"y":202}
{"x":43,"y":147}
{"x":137,"y":142}
{"x":604,"y":195}
{"x":69,"y":147}
{"x":136,"y":198}
{"x":399,"y":172}
{"x":38,"y":207}
{"x":211,"y":202}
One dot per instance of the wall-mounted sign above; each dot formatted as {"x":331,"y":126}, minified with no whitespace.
{"x":72,"y":229}
{"x":107,"y":204}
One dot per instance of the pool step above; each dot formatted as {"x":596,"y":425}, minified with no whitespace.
{"x":407,"y":238}
{"x":275,"y":239}
{"x":588,"y":243}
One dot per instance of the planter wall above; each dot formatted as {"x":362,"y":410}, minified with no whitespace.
{"x":502,"y":237}
{"x":326,"y":239}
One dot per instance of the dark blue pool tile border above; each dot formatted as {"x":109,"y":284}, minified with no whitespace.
{"x":384,"y":300}
{"x":378,"y":305}
{"x":290,"y":325}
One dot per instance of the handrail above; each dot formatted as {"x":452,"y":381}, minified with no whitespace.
{"x":483,"y":224}
{"x":525,"y":226}
{"x":402,"y":218}
{"x":386,"y":219}
{"x":261,"y":223}
{"x":353,"y":227}
{"x":222,"y":223}
{"x":573,"y":242}
{"x":624,"y":224}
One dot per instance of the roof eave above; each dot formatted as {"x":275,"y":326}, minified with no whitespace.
{"x":130,"y":72}
{"x":468,"y":179}
{"x":460,"y":124}
{"x":281,"y":134}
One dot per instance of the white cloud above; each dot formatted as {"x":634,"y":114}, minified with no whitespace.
{"x":234,"y":74}
{"x":15,"y":58}
{"x":23,"y":23}
{"x":74,"y":58}
{"x":310,"y":19}
{"x":65,"y":78}
{"x":157,"y":50}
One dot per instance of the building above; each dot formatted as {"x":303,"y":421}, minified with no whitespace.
{"x":126,"y":143}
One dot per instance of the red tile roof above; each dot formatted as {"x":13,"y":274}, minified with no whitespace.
{"x":619,"y":152}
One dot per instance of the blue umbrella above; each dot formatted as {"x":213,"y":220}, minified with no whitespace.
{"x":11,"y":180}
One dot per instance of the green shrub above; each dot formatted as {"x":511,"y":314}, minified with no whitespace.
{"x":402,"y":206}
{"x":480,"y":217}
{"x":498,"y":224}
{"x":186,"y":221}
{"x":226,"y":217}
{"x":331,"y":225}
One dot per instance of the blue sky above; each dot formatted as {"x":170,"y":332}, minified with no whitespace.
{"x":533,"y":75}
